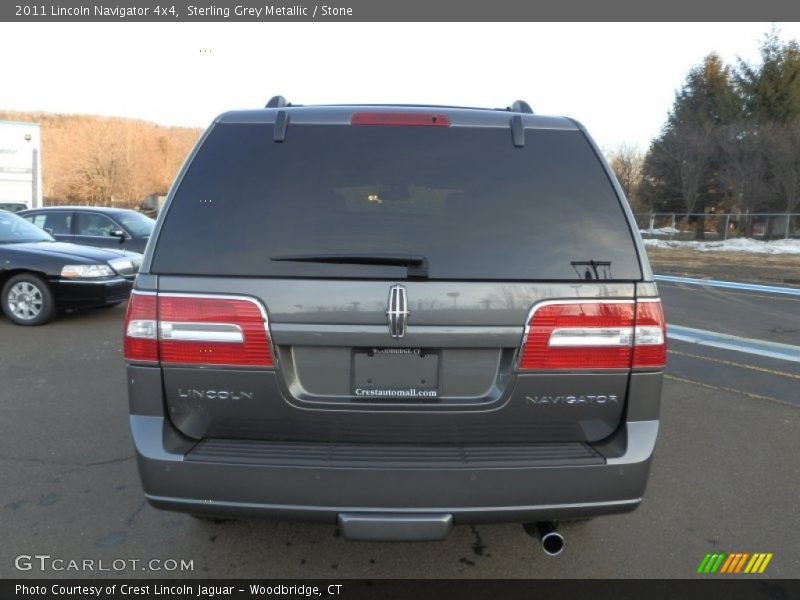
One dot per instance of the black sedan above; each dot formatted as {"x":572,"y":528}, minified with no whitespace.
{"x":13,"y":206}
{"x":39,"y":275}
{"x":117,"y":228}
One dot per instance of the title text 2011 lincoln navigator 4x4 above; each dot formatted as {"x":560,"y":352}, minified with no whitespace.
{"x":399,"y":318}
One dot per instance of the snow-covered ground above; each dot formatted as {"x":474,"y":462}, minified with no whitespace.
{"x":732,"y":245}
{"x":660,"y":231}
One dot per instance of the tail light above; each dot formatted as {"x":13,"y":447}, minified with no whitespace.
{"x":650,"y":343}
{"x":598,"y":334}
{"x":141,"y":328}
{"x":173,"y":329}
{"x":579,"y":335}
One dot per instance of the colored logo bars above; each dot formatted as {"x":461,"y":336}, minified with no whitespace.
{"x":735,"y":563}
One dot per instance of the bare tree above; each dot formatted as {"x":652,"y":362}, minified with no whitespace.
{"x":783,"y":160}
{"x":782,"y":157}
{"x":627,"y":161}
{"x":100,"y":160}
{"x":691,"y":150}
{"x":743,"y":172}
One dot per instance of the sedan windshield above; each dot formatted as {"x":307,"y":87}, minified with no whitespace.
{"x":14,"y":229}
{"x":137,"y":224}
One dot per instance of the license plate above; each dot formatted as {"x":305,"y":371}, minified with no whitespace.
{"x":395,"y":374}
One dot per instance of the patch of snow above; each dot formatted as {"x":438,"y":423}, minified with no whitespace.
{"x":732,"y":245}
{"x":660,"y":231}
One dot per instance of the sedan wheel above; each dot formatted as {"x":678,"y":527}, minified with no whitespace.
{"x":27,"y":300}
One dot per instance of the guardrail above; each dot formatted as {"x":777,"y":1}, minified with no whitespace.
{"x":719,"y":226}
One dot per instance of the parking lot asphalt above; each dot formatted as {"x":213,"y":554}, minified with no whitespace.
{"x":756,"y":315}
{"x":751,"y":315}
{"x":726,"y":475}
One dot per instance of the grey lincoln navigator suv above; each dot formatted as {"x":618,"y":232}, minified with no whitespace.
{"x":397,"y":318}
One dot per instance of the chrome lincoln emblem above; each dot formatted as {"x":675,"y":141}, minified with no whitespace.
{"x":398,"y":312}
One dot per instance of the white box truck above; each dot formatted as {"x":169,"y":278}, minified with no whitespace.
{"x":20,"y":165}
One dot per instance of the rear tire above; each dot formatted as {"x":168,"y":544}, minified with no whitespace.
{"x":26,"y":299}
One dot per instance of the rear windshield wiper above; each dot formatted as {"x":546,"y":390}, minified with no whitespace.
{"x":416,"y":263}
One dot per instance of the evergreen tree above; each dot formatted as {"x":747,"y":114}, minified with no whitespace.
{"x":771,"y":90}
{"x":682,"y":167}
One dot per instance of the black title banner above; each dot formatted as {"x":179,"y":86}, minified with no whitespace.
{"x":354,"y":589}
{"x":174,"y":11}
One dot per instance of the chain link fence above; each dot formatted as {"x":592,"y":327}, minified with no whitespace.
{"x":719,"y":226}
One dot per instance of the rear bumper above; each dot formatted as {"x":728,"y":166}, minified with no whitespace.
{"x":176,"y":476}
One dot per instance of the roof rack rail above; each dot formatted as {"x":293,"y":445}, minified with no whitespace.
{"x":521,"y":106}
{"x":277,"y":102}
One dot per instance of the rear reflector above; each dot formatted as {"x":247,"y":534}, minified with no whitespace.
{"x":400,"y":119}
{"x":599,"y":334}
{"x":197,"y":330}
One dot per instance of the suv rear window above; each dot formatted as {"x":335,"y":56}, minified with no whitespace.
{"x":464,"y":198}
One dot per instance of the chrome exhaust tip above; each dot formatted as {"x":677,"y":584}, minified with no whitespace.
{"x":551,"y":540}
